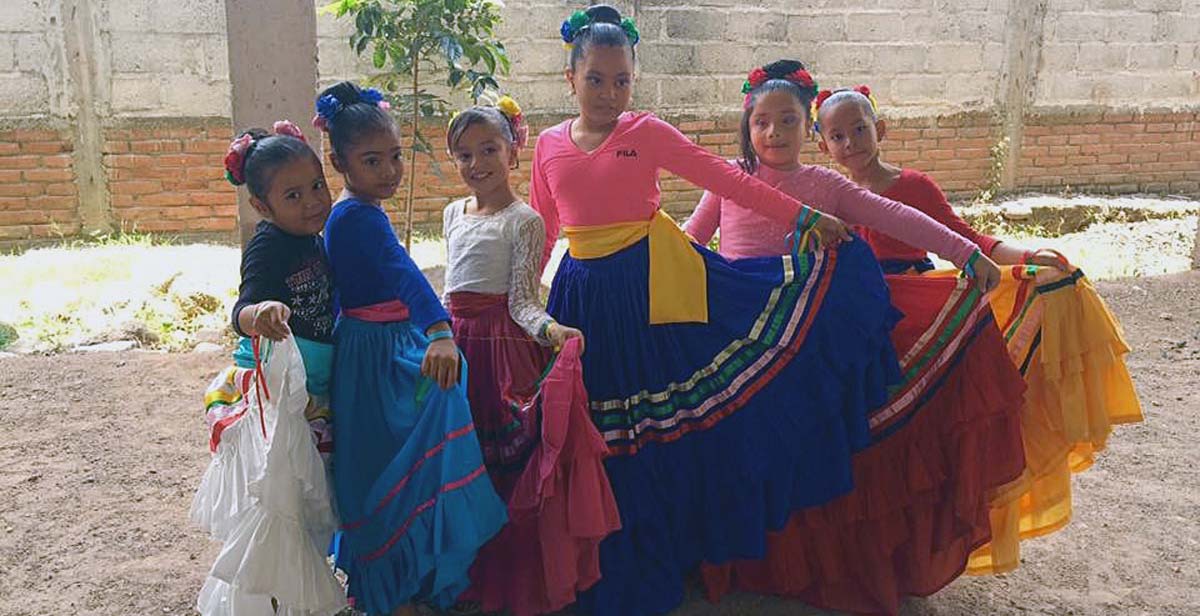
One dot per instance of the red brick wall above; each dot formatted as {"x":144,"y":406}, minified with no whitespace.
{"x":1113,"y":152}
{"x":170,"y":178}
{"x":37,"y":185}
{"x":166,"y":175}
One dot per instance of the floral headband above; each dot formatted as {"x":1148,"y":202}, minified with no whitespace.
{"x":240,"y":148}
{"x":580,"y":21}
{"x":329,"y":106}
{"x":824,"y":95}
{"x":759,"y":76}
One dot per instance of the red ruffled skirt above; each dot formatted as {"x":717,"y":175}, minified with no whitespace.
{"x":544,"y":456}
{"x":946,"y":442}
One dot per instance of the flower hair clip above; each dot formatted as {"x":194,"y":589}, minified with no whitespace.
{"x":516,"y":119}
{"x":573,"y":26}
{"x":288,"y":129}
{"x":329,"y":106}
{"x":866,"y":91}
{"x":580,"y":21}
{"x":824,"y":95}
{"x":239,"y":150}
{"x":757,"y":77}
{"x":235,"y":159}
{"x":815,"y":108}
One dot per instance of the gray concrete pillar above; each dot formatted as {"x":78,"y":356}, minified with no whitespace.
{"x":272,"y":72}
{"x":1024,"y":32}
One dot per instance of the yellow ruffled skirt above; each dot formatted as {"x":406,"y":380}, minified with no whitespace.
{"x":1071,"y":350}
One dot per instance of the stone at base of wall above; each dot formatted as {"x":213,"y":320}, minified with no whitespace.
{"x":165,"y":176}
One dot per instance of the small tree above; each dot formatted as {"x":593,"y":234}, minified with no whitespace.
{"x":412,"y":39}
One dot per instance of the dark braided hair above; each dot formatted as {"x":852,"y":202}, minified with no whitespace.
{"x":787,"y":75}
{"x":598,"y":25}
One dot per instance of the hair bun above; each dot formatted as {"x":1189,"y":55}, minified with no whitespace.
{"x":603,"y":13}
{"x":780,"y":69}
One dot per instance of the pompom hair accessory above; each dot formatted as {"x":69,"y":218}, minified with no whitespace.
{"x":235,"y":159}
{"x":239,"y":150}
{"x":822,"y":96}
{"x":572,"y":26}
{"x":516,"y":119}
{"x":287,"y":128}
{"x":579,"y":21}
{"x":866,"y":91}
{"x":759,"y":76}
{"x":329,"y":106}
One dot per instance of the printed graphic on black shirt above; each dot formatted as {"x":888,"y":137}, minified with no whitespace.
{"x":312,"y":295}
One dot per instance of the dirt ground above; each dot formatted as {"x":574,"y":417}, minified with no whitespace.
{"x":100,"y":455}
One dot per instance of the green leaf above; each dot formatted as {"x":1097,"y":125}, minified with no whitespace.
{"x":380,"y":58}
{"x":489,"y":61}
{"x":451,"y":49}
{"x":361,"y":45}
{"x":364,"y":23}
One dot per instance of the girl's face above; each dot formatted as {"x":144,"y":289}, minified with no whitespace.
{"x":778,"y":128}
{"x":483,"y":155}
{"x":849,"y":136}
{"x":602,"y":81}
{"x":298,"y":201}
{"x":374,"y":166}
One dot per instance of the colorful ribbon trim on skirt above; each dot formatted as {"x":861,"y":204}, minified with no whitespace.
{"x":678,"y":278}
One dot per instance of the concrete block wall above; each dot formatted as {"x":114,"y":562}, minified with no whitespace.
{"x":1140,"y":53}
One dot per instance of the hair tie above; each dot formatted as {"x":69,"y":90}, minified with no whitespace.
{"x":509,"y":108}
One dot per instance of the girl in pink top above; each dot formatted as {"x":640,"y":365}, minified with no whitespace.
{"x":730,"y":394}
{"x":774,"y":127}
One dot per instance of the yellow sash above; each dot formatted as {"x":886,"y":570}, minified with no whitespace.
{"x":678,"y":279}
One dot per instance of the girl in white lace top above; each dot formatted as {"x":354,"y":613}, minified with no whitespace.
{"x":494,"y":246}
{"x":499,"y":252}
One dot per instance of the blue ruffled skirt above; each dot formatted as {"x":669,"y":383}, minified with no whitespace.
{"x":720,"y":430}
{"x":413,"y":494}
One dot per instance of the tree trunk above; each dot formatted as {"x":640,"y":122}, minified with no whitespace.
{"x":1196,"y":249}
{"x":412,"y":158}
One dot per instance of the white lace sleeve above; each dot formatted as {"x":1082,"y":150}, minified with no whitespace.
{"x":447,"y":222}
{"x":523,"y":302}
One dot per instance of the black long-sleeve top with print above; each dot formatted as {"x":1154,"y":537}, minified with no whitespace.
{"x":291,"y":269}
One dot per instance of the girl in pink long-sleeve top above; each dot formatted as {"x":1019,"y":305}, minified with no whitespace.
{"x":773,"y":131}
{"x":730,"y":394}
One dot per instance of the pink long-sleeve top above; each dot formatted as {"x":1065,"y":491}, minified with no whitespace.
{"x":746,"y":233}
{"x":618,"y":181}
